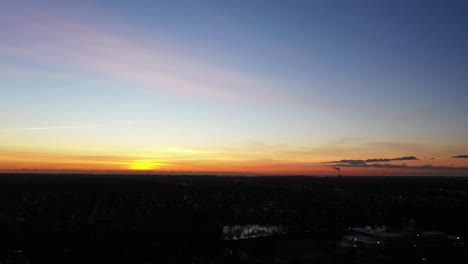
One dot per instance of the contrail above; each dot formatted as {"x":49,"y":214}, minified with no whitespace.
{"x":45,"y":128}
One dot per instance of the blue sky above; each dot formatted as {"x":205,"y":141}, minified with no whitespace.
{"x":223,"y":75}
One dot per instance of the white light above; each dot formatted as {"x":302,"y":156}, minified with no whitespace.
{"x":378,"y":242}
{"x":458,"y":237}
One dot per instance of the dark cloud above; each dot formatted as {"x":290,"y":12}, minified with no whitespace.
{"x":355,"y":162}
{"x":402,"y":166}
{"x":460,"y":157}
{"x":378,"y":160}
{"x":405,"y":158}
{"x":363,"y":162}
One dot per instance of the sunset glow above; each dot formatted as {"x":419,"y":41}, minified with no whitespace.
{"x":144,"y":165}
{"x":221,"y":89}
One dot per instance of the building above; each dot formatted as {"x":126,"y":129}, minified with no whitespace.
{"x":380,"y":241}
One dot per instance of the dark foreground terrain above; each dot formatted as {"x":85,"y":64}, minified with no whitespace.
{"x":209,"y":219}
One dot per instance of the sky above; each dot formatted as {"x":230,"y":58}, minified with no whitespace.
{"x":246,"y":87}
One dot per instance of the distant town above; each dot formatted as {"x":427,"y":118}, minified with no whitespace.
{"x":228,"y":219}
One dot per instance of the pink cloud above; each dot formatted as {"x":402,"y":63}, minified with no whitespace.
{"x":83,"y":45}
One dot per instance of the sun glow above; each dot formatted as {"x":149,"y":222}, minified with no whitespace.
{"x":144,"y":165}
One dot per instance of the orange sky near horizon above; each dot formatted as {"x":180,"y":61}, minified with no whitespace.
{"x":250,"y":160}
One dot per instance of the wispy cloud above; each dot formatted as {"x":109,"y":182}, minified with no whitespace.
{"x":363,"y":162}
{"x":460,"y":157}
{"x":402,"y":166}
{"x":87,"y":46}
{"x":356,"y":162}
{"x":46,"y":128}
